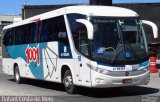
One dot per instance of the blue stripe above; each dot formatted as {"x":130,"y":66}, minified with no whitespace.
{"x":19,"y":51}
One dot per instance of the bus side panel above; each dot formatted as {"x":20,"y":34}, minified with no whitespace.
{"x":29,"y":59}
{"x":50,"y":55}
{"x":24,"y":68}
{"x":41,"y":65}
{"x":7,"y":65}
{"x":7,"y":61}
{"x":71,"y":64}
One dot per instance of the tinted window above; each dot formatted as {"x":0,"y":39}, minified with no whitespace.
{"x":19,"y":35}
{"x":51,"y":28}
{"x":8,"y":37}
{"x":42,"y":31}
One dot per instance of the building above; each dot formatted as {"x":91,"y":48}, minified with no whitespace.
{"x":31,"y":10}
{"x":101,"y":2}
{"x":8,"y":19}
{"x":147,"y":11}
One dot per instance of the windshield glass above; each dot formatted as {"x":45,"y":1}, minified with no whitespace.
{"x":118,"y":39}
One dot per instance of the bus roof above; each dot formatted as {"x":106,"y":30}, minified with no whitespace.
{"x":109,"y":11}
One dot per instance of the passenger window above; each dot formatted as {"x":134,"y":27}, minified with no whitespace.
{"x":19,"y":35}
{"x":61,"y":29}
{"x":53,"y":29}
{"x":8,"y":38}
{"x":44,"y":32}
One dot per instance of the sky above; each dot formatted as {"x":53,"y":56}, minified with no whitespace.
{"x":15,"y":6}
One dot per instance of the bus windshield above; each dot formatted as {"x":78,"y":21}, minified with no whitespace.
{"x":118,"y":40}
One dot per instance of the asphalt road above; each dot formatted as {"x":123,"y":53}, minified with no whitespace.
{"x":41,"y":88}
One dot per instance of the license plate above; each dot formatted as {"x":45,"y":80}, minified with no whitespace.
{"x":127,"y":81}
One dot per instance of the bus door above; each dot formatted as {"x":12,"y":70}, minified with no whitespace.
{"x":83,"y":47}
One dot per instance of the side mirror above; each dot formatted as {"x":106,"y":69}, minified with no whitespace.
{"x":62,"y":35}
{"x":154,"y":27}
{"x":89,"y":27}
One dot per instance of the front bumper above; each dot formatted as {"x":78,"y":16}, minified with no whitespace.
{"x":100,"y":80}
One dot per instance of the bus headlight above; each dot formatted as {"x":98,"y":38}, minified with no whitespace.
{"x":99,"y":70}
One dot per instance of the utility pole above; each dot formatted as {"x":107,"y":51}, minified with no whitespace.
{"x":101,"y":2}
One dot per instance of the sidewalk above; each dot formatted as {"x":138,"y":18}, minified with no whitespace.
{"x":154,"y":81}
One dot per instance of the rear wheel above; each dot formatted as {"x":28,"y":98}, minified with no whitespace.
{"x":68,"y":83}
{"x":17,"y":76}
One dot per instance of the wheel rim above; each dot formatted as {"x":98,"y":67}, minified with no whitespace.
{"x":17,"y":74}
{"x":68,"y":81}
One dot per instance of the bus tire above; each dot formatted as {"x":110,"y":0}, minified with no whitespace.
{"x":17,"y":76}
{"x":68,"y":83}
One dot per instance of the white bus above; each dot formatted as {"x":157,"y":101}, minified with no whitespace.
{"x":90,"y":46}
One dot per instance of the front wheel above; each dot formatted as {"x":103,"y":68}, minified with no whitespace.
{"x":68,"y":83}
